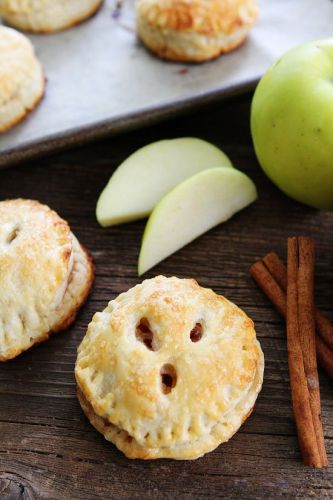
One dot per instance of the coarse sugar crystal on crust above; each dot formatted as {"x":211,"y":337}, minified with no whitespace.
{"x":21,"y":78}
{"x":44,"y":16}
{"x":45,"y":275}
{"x":169,"y":370}
{"x":194,"y":30}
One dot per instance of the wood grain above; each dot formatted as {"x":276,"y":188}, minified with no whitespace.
{"x":48,"y":449}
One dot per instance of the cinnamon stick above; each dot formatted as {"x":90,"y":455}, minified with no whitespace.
{"x":270,"y":287}
{"x":307,"y":333}
{"x":298,"y":381}
{"x":271,"y":276}
{"x":267,"y":278}
{"x":278,"y":270}
{"x":323,"y":325}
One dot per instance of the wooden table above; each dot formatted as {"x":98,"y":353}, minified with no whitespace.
{"x":47,"y":447}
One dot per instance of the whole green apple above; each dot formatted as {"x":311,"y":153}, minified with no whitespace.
{"x":292,"y":123}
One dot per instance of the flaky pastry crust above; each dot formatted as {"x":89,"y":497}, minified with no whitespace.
{"x":21,"y":78}
{"x":45,"y":16}
{"x":211,"y":385}
{"x":45,"y":275}
{"x":194,"y":30}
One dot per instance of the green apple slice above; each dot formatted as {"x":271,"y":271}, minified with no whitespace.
{"x":148,"y":174}
{"x":192,"y":208}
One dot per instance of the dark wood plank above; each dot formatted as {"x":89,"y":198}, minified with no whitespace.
{"x":48,"y":449}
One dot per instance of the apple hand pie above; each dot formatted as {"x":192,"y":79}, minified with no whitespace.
{"x":21,"y":78}
{"x":44,"y":16}
{"x":194,"y":30}
{"x":45,"y":275}
{"x":169,"y":370}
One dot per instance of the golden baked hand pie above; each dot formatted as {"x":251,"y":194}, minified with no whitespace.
{"x":47,"y":15}
{"x":45,"y":275}
{"x":194,"y":30}
{"x":169,"y":369}
{"x":21,"y":78}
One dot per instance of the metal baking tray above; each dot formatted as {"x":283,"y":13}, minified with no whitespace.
{"x":100,"y":80}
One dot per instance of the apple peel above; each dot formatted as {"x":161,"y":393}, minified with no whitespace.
{"x":147,"y":175}
{"x":292,"y":123}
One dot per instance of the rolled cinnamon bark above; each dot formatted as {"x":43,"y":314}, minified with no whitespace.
{"x":301,"y":335}
{"x":271,"y":276}
{"x":272,"y":279}
{"x":278,"y":270}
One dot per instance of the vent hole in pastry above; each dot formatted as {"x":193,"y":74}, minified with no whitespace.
{"x":12,"y":235}
{"x":168,"y":378}
{"x":107,"y":423}
{"x":144,"y":334}
{"x":127,"y":438}
{"x":196,"y":332}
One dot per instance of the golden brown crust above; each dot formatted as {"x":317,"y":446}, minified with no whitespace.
{"x":39,"y":17}
{"x":132,"y":450}
{"x":76,"y":22}
{"x":69,"y":319}
{"x":171,"y":55}
{"x":45,"y":275}
{"x":83,"y":291}
{"x":19,"y":119}
{"x":199,"y":16}
{"x":152,"y":388}
{"x":22,"y":82}
{"x":194,"y":31}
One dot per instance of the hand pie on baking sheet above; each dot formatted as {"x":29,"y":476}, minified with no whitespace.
{"x":45,"y":275}
{"x":44,"y":16}
{"x":21,"y":78}
{"x":169,"y":370}
{"x":194,"y":30}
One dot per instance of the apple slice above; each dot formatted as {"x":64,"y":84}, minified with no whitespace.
{"x":149,"y":173}
{"x":192,"y":208}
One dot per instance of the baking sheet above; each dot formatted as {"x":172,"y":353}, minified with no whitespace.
{"x":100,"y":80}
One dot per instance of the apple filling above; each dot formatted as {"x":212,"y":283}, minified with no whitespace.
{"x":196,"y":332}
{"x":144,"y":334}
{"x":168,"y":378}
{"x":8,"y":233}
{"x":64,"y":285}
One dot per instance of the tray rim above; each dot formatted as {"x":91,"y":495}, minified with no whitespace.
{"x":113,"y":126}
